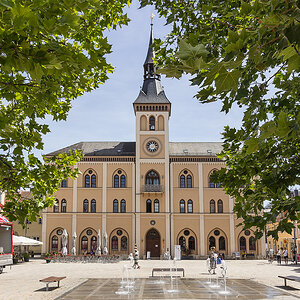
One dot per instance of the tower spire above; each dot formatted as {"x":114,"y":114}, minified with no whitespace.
{"x":149,"y":68}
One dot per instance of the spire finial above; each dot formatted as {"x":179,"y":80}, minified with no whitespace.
{"x":152,"y":16}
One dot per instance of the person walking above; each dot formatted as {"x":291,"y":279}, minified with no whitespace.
{"x":271,"y":255}
{"x":136,"y":258}
{"x":279,"y":256}
{"x":213,"y":260}
{"x":285,"y":256}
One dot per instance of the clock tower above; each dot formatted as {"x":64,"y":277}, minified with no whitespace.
{"x":152,"y":110}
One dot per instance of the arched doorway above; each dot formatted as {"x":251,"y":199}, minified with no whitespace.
{"x":153,"y":242}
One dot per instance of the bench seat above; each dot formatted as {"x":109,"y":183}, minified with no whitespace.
{"x":52,"y":279}
{"x":292,"y":278}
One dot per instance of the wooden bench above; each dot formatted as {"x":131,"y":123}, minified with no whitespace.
{"x":52,"y":279}
{"x":168,"y":270}
{"x":292,"y":278}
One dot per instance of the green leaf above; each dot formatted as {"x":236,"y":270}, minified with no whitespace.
{"x":187,"y":51}
{"x":287,"y":53}
{"x":252,"y":145}
{"x":227,"y":81}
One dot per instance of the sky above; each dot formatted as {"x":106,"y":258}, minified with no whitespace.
{"x":107,"y":114}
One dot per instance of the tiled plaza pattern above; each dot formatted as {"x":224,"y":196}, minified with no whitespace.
{"x":159,"y":288}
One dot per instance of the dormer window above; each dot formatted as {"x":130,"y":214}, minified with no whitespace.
{"x":151,"y":123}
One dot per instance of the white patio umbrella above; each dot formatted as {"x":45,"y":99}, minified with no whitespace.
{"x":105,"y":251}
{"x":25,"y":241}
{"x":64,"y":240}
{"x":73,"y":250}
{"x":98,"y":250}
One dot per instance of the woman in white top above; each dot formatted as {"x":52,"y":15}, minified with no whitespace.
{"x":279,"y":256}
{"x":285,"y":256}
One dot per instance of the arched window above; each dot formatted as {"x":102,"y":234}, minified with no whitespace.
{"x":87,"y":181}
{"x":152,"y":178}
{"x":213,"y":184}
{"x":123,"y":243}
{"x":222,"y":243}
{"x":116,"y":206}
{"x":212,"y":206}
{"x":116,"y":181}
{"x":119,"y":179}
{"x":123,"y":206}
{"x":90,"y":179}
{"x":114,"y":243}
{"x":86,"y":206}
{"x":190,"y":206}
{"x":182,"y":181}
{"x":56,"y":206}
{"x":63,"y":205}
{"x":94,"y":243}
{"x":182,"y":206}
{"x":93,"y":206}
{"x":148,"y":206}
{"x":252,"y":244}
{"x":151,"y":123}
{"x":84,"y":243}
{"x":220,"y":206}
{"x":212,"y":242}
{"x":192,"y":243}
{"x":242,"y":243}
{"x":156,"y":205}
{"x":182,"y":242}
{"x":54,"y":243}
{"x":93,"y":181}
{"x":186,"y":179}
{"x":189,"y":181}
{"x":123,"y":181}
{"x":63,"y":183}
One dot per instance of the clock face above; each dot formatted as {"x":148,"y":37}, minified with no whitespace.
{"x":152,"y":146}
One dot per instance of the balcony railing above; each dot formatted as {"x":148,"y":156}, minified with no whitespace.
{"x":152,"y":188}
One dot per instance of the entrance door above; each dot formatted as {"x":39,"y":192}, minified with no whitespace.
{"x":153,"y":243}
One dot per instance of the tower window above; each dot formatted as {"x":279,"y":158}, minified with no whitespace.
{"x":116,"y":206}
{"x":156,"y":205}
{"x":182,"y":206}
{"x":151,"y":123}
{"x":149,"y":206}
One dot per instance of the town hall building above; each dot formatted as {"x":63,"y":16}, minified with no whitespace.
{"x":151,"y":192}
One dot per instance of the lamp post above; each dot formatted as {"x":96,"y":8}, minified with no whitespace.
{"x":295,"y":241}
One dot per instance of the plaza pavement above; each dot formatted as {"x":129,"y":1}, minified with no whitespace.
{"x":22,"y":280}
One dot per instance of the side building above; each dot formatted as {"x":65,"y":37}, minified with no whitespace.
{"x":151,"y":192}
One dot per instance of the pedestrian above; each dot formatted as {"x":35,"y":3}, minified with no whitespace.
{"x":279,"y":256}
{"x":285,"y":256}
{"x":213,"y":260}
{"x":136,"y":258}
{"x":271,"y":255}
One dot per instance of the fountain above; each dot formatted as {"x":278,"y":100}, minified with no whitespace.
{"x":223,"y":273}
{"x":173,"y":289}
{"x":128,"y":284}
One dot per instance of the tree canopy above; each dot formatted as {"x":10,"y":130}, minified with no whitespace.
{"x":52,"y":51}
{"x":245,"y":53}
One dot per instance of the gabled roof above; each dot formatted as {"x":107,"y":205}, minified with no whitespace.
{"x":128,"y":148}
{"x":100,"y":149}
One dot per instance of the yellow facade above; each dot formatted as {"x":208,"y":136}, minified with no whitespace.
{"x":285,"y":240}
{"x":151,"y":192}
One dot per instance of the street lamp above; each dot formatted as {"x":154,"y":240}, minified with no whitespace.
{"x":295,"y":241}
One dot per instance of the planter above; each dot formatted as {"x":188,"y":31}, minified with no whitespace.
{"x":48,"y":260}
{"x":26,"y":259}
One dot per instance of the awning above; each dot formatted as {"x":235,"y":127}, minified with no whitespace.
{"x":25,"y":241}
{"x":3,"y":219}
